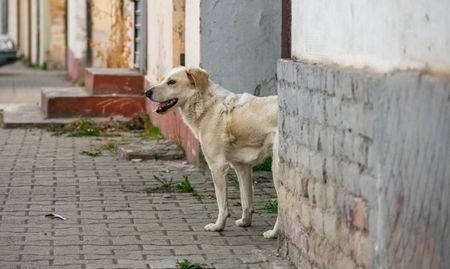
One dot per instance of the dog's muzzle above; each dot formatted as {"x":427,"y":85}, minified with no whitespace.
{"x":149,"y":93}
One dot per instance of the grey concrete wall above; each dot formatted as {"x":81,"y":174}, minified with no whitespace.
{"x":365,"y":163}
{"x":240,"y":43}
{"x":4,"y":19}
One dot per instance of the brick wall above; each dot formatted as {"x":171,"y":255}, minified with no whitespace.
{"x":365,"y":163}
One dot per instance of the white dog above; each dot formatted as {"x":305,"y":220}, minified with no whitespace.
{"x":237,"y":130}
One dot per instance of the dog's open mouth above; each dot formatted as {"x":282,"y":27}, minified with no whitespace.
{"x":166,"y":105}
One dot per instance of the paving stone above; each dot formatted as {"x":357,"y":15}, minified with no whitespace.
{"x":153,"y":149}
{"x":111,"y":222}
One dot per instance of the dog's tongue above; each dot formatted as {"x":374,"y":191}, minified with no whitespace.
{"x":164,"y":106}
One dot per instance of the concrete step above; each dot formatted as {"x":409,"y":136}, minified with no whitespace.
{"x":114,"y":80}
{"x":28,"y":116}
{"x":151,"y":150}
{"x":78,"y":102}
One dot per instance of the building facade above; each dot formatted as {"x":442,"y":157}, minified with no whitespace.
{"x":38,"y":30}
{"x":364,"y":92}
{"x":365,"y":133}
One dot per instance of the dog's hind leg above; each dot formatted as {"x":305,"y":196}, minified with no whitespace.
{"x":276,"y":180}
{"x":244,"y":174}
{"x":220,"y":185}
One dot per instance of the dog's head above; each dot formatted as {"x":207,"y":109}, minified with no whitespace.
{"x":177,"y":86}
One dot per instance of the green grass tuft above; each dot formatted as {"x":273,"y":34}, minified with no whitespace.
{"x":84,"y":127}
{"x":110,"y":145}
{"x":151,"y":132}
{"x":187,"y":264}
{"x":92,"y":153}
{"x":271,"y":206}
{"x":185,"y":185}
{"x":166,"y":184}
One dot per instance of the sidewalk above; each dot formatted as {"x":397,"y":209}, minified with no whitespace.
{"x":22,"y":85}
{"x":112,"y":222}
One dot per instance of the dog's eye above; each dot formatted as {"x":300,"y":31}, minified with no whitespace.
{"x":171,"y":82}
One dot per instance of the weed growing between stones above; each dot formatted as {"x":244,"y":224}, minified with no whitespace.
{"x":110,"y":145}
{"x":186,"y":187}
{"x":151,"y":132}
{"x":187,"y":264}
{"x":84,"y":127}
{"x":167,"y":185}
{"x":232,"y":178}
{"x":271,"y":206}
{"x":92,"y":152}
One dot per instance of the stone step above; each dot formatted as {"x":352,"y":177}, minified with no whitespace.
{"x":28,"y":116}
{"x":114,"y":80}
{"x":151,"y":150}
{"x":78,"y":102}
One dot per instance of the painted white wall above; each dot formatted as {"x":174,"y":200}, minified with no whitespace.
{"x":159,"y":39}
{"x":76,"y":28}
{"x":3,"y":15}
{"x":34,"y":31}
{"x":12,"y":20}
{"x":192,"y":36}
{"x":24,"y":29}
{"x":240,"y":43}
{"x":44,"y":37}
{"x":383,"y":35}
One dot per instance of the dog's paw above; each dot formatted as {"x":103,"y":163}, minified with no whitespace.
{"x":213,"y":227}
{"x":243,"y":222}
{"x":270,"y":234}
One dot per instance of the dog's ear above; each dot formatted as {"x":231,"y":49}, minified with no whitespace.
{"x":198,"y":78}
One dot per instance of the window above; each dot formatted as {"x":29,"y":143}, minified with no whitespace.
{"x":140,"y":35}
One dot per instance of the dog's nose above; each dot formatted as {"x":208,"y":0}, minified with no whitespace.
{"x":149,"y":93}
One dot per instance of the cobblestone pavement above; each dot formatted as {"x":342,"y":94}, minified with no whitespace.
{"x":112,"y":222}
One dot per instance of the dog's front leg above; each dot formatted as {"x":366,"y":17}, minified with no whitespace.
{"x":244,"y":173}
{"x":220,"y":186}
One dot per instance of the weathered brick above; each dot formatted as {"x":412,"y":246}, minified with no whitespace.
{"x":369,"y":143}
{"x":317,"y":220}
{"x":330,"y":226}
{"x":344,"y":262}
{"x":305,"y":213}
{"x":358,"y":215}
{"x":330,"y":197}
{"x":320,"y":195}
